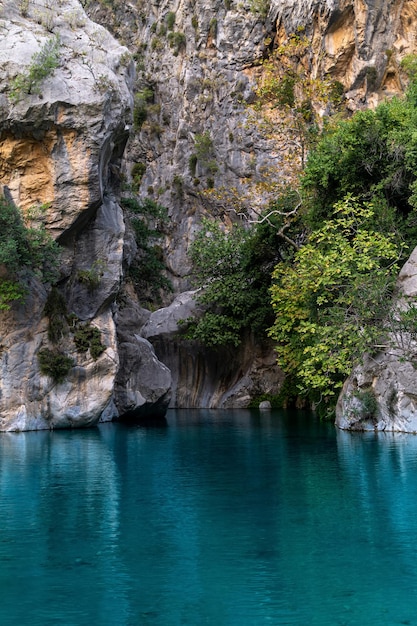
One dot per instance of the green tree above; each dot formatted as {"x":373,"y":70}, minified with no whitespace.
{"x":373,"y":154}
{"x":330,"y":303}
{"x":234,"y":275}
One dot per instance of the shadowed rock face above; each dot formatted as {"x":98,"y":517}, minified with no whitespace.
{"x":222,"y":378}
{"x":62,"y":145}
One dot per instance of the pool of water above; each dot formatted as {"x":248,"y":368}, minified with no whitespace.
{"x":227,"y":518}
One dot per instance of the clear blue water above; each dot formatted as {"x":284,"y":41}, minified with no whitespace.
{"x":222,"y":518}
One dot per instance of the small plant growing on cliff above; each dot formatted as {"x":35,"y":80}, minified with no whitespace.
{"x":147,"y":219}
{"x":54,"y":364}
{"x":87,"y":337}
{"x":56,"y":311}
{"x":192,"y":163}
{"x":177,"y":41}
{"x":140,"y":110}
{"x":170,"y":20}
{"x":213,"y":27}
{"x":43,"y":64}
{"x":260,"y":7}
{"x":91,"y":277}
{"x":137,"y":172}
{"x":369,"y":402}
{"x":24,"y":7}
{"x":204,"y":154}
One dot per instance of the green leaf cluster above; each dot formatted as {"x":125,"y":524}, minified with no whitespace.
{"x":87,"y":337}
{"x":147,"y":271}
{"x":23,"y":249}
{"x":55,"y":364}
{"x":330,"y":302}
{"x":373,"y":155}
{"x":234,"y":284}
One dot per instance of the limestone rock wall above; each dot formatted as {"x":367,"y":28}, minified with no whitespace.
{"x":196,"y":144}
{"x":201,"y":62}
{"x":61,"y":145}
{"x":198,"y":63}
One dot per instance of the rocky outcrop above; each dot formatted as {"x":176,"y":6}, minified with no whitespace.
{"x":66,"y":111}
{"x":221,"y":378}
{"x":143,"y":383}
{"x":381,"y":394}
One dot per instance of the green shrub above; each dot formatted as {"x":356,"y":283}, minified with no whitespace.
{"x":177,"y":40}
{"x":87,"y":337}
{"x":170,"y":20}
{"x":368,"y":402}
{"x":54,"y":364}
{"x":192,"y":163}
{"x":91,"y":277}
{"x":213,"y":27}
{"x":137,"y":172}
{"x":24,"y":249}
{"x":260,"y":7}
{"x":56,"y":311}
{"x":203,"y":145}
{"x":140,"y":110}
{"x":234,"y":285}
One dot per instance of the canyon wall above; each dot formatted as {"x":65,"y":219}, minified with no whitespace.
{"x":132,"y":109}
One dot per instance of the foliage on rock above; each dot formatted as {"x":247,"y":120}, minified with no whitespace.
{"x":55,"y":364}
{"x":330,"y":302}
{"x":43,"y":64}
{"x":234,"y":277}
{"x":87,"y":337}
{"x":147,"y":272}
{"x":24,"y":249}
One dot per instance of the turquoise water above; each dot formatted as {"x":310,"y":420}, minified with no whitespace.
{"x":222,"y":518}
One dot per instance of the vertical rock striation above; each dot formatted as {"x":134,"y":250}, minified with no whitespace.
{"x":62,"y":137}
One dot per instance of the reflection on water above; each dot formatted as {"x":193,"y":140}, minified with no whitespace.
{"x":218,"y":517}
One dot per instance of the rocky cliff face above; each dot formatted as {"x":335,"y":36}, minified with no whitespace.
{"x":62,"y":137}
{"x":198,"y":68}
{"x":197,"y":145}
